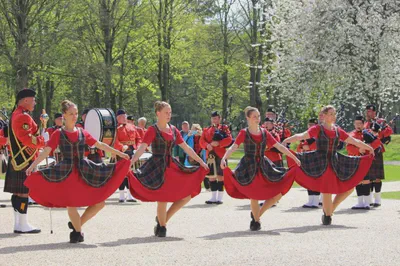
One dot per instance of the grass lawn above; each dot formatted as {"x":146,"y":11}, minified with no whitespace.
{"x":392,"y":152}
{"x":1,"y":176}
{"x":391,"y":195}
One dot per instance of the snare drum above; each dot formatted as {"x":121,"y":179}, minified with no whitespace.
{"x":102,"y":125}
{"x":46,"y":163}
{"x":142,"y":159}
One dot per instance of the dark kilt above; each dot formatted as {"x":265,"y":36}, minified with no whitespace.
{"x":14,"y":182}
{"x":220,"y":172}
{"x":376,"y":171}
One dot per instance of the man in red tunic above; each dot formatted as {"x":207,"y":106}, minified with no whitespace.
{"x":140,"y":131}
{"x":128,"y":139}
{"x":272,"y":153}
{"x":214,"y":140}
{"x":25,"y":142}
{"x":58,"y":123}
{"x":384,"y":133}
{"x":304,"y":146}
{"x":363,"y":189}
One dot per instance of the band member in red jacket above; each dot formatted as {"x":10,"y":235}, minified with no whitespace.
{"x":384,"y":133}
{"x":214,"y":140}
{"x":25,"y":142}
{"x":140,"y":131}
{"x":58,"y":123}
{"x":365,"y":135}
{"x":128,"y":139}
{"x":272,"y":153}
{"x":310,"y":145}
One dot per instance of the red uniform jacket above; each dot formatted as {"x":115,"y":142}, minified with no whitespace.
{"x":127,"y":134}
{"x":3,"y":140}
{"x":271,"y":152}
{"x":25,"y":130}
{"x":355,"y":151}
{"x":207,"y":136}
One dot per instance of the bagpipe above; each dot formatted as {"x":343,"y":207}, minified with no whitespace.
{"x":380,"y":124}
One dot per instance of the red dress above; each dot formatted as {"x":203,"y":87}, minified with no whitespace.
{"x":175,"y":181}
{"x":328,"y":181}
{"x":261,"y":187}
{"x":74,"y":190}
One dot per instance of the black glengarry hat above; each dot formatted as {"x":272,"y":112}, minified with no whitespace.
{"x":121,"y":112}
{"x":57,"y":115}
{"x":371,"y":107}
{"x":214,"y":114}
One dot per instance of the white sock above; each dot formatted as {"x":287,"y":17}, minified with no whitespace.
{"x":377,"y":197}
{"x":122,"y":195}
{"x":16,"y":220}
{"x":213,"y":196}
{"x":220,"y":195}
{"x":24,"y":226}
{"x":315,"y":200}
{"x":367,"y":201}
{"x":130,"y":197}
{"x":360,"y":203}
{"x":310,"y":200}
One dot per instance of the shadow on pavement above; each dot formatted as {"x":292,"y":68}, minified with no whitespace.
{"x":243,"y":207}
{"x":301,"y":209}
{"x":313,"y":228}
{"x":200,"y":206}
{"x":350,"y":211}
{"x":140,"y":240}
{"x":51,"y":246}
{"x":8,"y":235}
{"x":239,"y":234}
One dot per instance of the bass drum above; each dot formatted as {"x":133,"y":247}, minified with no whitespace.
{"x":102,"y":125}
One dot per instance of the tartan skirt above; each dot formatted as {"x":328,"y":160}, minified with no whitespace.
{"x":377,"y":168}
{"x":176,"y":185}
{"x":329,"y":182}
{"x":14,"y":182}
{"x":74,"y":191}
{"x":260,"y":188}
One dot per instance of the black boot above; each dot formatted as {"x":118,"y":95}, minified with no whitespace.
{"x":162,"y":232}
{"x":256,"y":226}
{"x":326,"y":220}
{"x":71,"y":226}
{"x":157,"y":227}
{"x":76,"y":237}
{"x":252,"y":220}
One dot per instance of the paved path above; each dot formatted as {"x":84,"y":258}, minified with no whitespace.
{"x":210,"y":235}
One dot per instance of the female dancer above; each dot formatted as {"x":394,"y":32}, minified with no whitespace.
{"x":256,"y":177}
{"x":327,"y":171}
{"x":75,"y":181}
{"x":163,"y":178}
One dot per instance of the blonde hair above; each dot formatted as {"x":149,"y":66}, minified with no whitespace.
{"x":326,"y":109}
{"x":249,"y":109}
{"x":159,"y":105}
{"x":66,"y":104}
{"x":198,"y":128}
